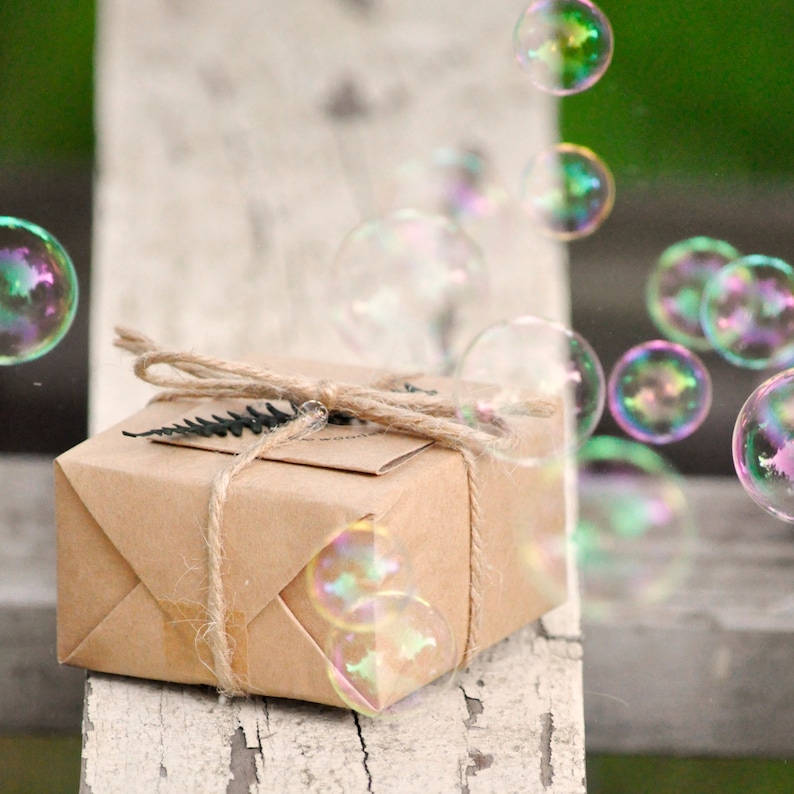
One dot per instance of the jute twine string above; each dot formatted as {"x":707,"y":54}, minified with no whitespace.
{"x":192,"y":375}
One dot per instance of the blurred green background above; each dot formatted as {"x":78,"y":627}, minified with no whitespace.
{"x":46,"y":80}
{"x":697,"y":90}
{"x":700,"y":91}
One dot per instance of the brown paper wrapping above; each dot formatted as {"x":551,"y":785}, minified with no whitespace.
{"x":132,"y":557}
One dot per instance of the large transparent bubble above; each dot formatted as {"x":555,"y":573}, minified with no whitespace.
{"x":515,"y":378}
{"x":357,"y":563}
{"x":659,"y":392}
{"x":38,"y":291}
{"x":747,"y":312}
{"x":567,"y":191}
{"x":635,"y":534}
{"x":404,"y":288}
{"x":564,"y":45}
{"x":763,"y":445}
{"x":382,"y":672}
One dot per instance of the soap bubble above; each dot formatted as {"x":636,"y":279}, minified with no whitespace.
{"x":564,"y":45}
{"x":567,"y":191}
{"x":379,"y":672}
{"x":747,"y":312}
{"x":675,"y":288}
{"x":543,"y":546}
{"x":659,"y":392}
{"x":456,"y":183}
{"x":516,"y":375}
{"x":38,"y":291}
{"x":763,"y":445}
{"x":403,"y":286}
{"x":357,"y":563}
{"x":635,"y":533}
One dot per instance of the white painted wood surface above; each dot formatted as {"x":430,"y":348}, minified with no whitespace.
{"x":238,"y":143}
{"x":498,"y":728}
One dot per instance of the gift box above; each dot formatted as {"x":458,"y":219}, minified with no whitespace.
{"x":133,"y":558}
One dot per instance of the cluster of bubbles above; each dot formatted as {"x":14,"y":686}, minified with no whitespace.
{"x":402,"y":285}
{"x":707,"y":296}
{"x":38,"y":291}
{"x":406,"y":281}
{"x":384,"y":641}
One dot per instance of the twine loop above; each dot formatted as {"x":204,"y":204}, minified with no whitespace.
{"x":192,"y":375}
{"x":327,"y":394}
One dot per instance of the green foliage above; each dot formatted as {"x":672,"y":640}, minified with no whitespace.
{"x":46,"y":84}
{"x":234,"y":423}
{"x":39,"y":764}
{"x":701,"y":89}
{"x":644,"y":775}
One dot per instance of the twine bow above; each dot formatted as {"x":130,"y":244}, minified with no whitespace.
{"x":192,"y":375}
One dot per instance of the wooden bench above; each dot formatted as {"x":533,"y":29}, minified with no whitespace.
{"x":237,"y":146}
{"x":235,"y":150}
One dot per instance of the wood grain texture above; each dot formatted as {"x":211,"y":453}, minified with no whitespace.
{"x":511,"y":723}
{"x":35,"y":692}
{"x":708,"y":671}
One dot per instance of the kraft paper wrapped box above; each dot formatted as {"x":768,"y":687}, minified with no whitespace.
{"x":132,"y":555}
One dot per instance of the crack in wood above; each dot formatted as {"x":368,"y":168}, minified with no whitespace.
{"x":477,"y":762}
{"x":543,"y":633}
{"x":546,"y":765}
{"x":88,"y":727}
{"x":473,"y":706}
{"x":365,"y":760}
{"x":242,"y":764}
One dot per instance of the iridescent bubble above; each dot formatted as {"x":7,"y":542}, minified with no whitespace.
{"x":567,"y":191}
{"x":379,"y":672}
{"x":747,"y":312}
{"x":659,"y":392}
{"x":635,"y":533}
{"x":459,"y":184}
{"x":675,"y":288}
{"x":403,"y":286}
{"x":38,"y":291}
{"x":763,"y":445}
{"x":564,"y":45}
{"x":356,"y":564}
{"x":516,"y":375}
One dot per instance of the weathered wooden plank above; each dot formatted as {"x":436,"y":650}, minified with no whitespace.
{"x":237,"y":146}
{"x":504,"y":725}
{"x":708,"y":671}
{"x":35,"y":693}
{"x":239,"y":143}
